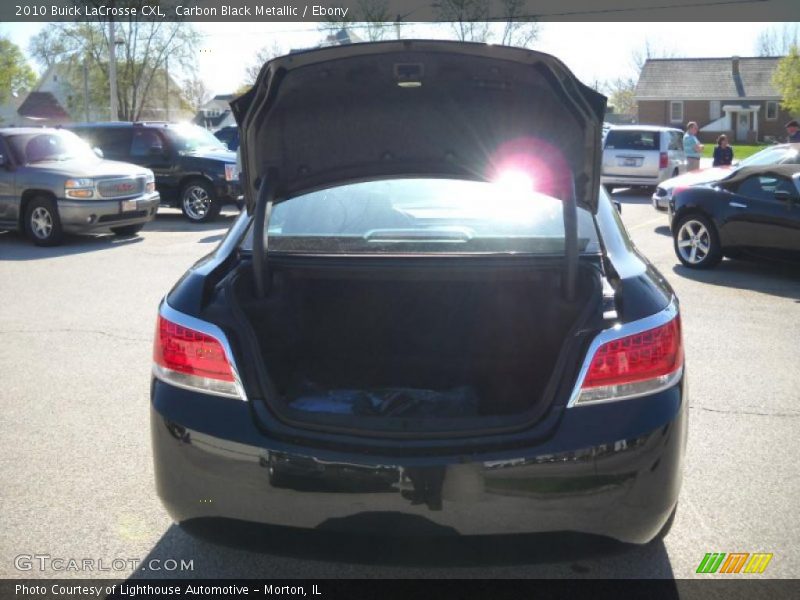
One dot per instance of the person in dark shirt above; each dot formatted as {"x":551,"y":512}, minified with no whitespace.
{"x":793,"y":132}
{"x":723,"y":153}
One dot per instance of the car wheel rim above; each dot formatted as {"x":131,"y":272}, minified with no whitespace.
{"x":196,"y":202}
{"x":41,"y":223}
{"x":694,"y":242}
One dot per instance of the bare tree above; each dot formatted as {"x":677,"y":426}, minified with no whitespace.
{"x":518,"y":30}
{"x":467,"y":19}
{"x":195,"y":93}
{"x":639,"y":57}
{"x":777,"y":41}
{"x":264,"y":55}
{"x":374,"y":21}
{"x":371,"y":21}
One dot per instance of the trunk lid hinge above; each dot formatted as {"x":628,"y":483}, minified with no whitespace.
{"x":570,"y":209}
{"x":266,"y":198}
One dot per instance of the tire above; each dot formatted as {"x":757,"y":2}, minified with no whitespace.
{"x":696,"y":242}
{"x":42,"y":222}
{"x":128,"y":229}
{"x":667,"y":526}
{"x":199,"y":202}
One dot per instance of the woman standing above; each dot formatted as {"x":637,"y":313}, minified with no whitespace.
{"x":723,"y":153}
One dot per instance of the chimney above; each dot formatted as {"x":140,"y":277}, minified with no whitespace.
{"x":735,"y":66}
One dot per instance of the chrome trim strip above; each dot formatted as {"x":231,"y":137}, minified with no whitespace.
{"x":618,"y":331}
{"x":169,"y":313}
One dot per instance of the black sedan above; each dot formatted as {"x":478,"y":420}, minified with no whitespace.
{"x":754,"y":211}
{"x":429,"y":319}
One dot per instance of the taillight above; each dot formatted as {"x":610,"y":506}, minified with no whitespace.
{"x":192,"y":359}
{"x":663,"y":161}
{"x":634,"y":365}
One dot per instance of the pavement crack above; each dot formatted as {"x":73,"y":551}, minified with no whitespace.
{"x":69,"y":330}
{"x":746,"y":412}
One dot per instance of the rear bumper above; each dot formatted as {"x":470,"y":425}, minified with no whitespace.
{"x":623,"y":180}
{"x":79,"y":216}
{"x":620,"y":479}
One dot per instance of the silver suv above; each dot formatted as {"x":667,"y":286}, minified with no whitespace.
{"x":52,"y":182}
{"x":642,"y":155}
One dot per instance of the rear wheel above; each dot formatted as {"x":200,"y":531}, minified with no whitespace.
{"x":127,"y":229}
{"x":199,"y":202}
{"x":696,"y":242}
{"x":42,"y":223}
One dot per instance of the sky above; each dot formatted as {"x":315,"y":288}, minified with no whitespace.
{"x":593,"y":51}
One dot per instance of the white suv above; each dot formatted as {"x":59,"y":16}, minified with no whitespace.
{"x":642,"y":155}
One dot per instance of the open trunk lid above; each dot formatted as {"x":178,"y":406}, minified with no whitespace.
{"x":329,"y":116}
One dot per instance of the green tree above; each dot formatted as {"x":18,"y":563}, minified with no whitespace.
{"x":787,"y":80}
{"x":16,"y":75}
{"x":146,"y":52}
{"x":622,"y":95}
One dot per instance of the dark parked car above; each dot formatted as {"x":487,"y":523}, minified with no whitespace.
{"x":194,"y":170}
{"x":781,"y":154}
{"x":230,"y":136}
{"x":754,"y":211}
{"x":52,"y":182}
{"x":431,"y":313}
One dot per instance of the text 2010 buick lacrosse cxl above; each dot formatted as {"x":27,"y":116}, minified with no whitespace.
{"x":429,"y":317}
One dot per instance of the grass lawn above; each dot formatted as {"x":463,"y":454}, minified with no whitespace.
{"x":740,"y":151}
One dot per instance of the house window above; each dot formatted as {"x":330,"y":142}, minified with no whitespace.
{"x":772,"y":110}
{"x":676,"y":111}
{"x":714,"y":110}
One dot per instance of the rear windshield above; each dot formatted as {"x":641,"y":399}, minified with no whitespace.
{"x":191,"y":138}
{"x":627,"y":139}
{"x":424,"y":216}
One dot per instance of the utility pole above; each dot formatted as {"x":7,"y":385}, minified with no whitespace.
{"x":112,"y":70}
{"x":166,"y":84}
{"x":86,"y":88}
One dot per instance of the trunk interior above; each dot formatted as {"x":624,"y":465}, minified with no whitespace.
{"x":489,"y":337}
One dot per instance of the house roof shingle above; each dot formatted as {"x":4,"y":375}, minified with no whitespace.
{"x":42,"y":105}
{"x":707,"y":79}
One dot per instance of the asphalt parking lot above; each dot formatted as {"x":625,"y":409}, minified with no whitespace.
{"x":76,"y":323}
